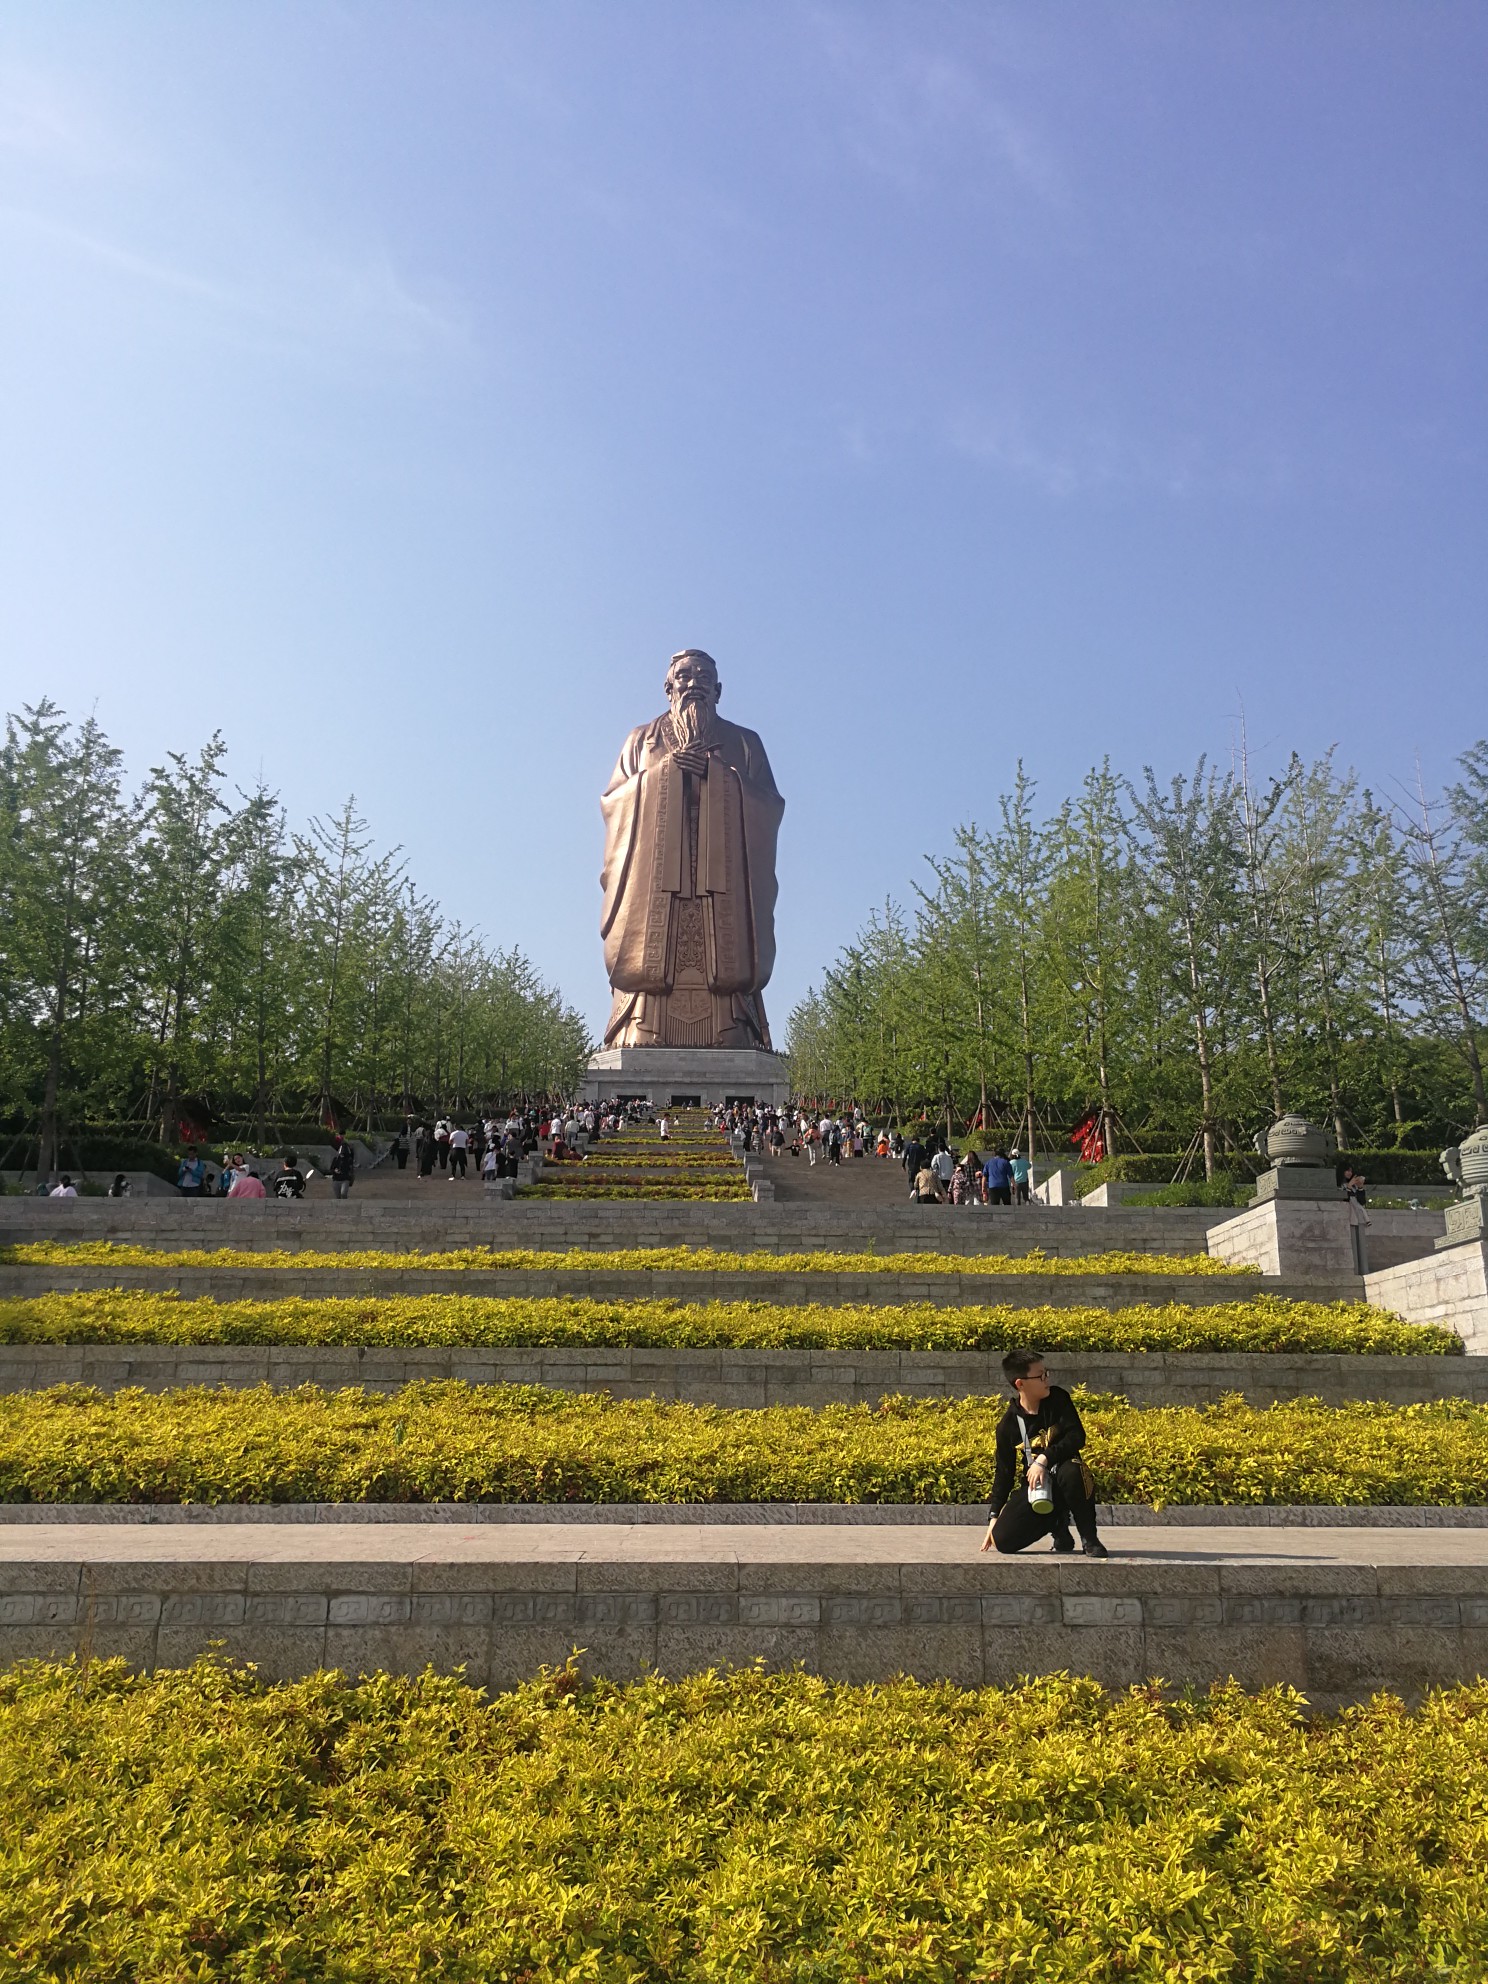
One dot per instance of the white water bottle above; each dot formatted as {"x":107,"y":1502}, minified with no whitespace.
{"x":1040,"y":1493}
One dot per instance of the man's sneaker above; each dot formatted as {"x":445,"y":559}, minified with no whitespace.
{"x":1064,"y":1543}
{"x":1093,"y":1547}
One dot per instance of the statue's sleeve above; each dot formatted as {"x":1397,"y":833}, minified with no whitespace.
{"x":620,"y":804}
{"x":741,"y":856}
{"x":757,"y":765}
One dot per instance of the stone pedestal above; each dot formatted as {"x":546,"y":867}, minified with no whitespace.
{"x":1114,"y":1192}
{"x":1296,"y":1181}
{"x":1449,"y":1287}
{"x":1053,"y":1187}
{"x":1465,"y":1222}
{"x":1305,"y":1239}
{"x":674,"y":1077}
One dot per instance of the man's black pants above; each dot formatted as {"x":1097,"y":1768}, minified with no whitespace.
{"x":457,"y":1160}
{"x":1018,"y":1526}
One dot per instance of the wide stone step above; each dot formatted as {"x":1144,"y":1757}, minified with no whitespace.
{"x":395,"y":1227}
{"x":950,"y":1290}
{"x":1338,"y":1614}
{"x":336,"y":1225}
{"x":747,"y":1378}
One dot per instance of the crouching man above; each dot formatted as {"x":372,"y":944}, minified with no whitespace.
{"x":1043,"y":1430}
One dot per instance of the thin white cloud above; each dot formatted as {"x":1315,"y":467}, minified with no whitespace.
{"x":901,"y":104}
{"x":37,"y":123}
{"x":318,"y":301}
{"x":1066,"y":462}
{"x":1058,"y":466}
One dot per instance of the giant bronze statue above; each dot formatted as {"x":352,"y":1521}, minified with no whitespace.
{"x":691,"y":817}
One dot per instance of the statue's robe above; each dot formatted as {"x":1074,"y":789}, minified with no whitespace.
{"x":689,"y":890}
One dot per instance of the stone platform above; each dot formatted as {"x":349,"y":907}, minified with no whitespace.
{"x":686,"y":1076}
{"x":1115,"y":1291}
{"x":440,"y":1222}
{"x":745,"y":1378}
{"x":1337,"y":1613}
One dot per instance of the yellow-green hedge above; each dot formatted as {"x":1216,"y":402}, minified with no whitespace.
{"x":732,"y":1829}
{"x":732,"y":1189}
{"x":447,"y":1442}
{"x":1265,"y":1323}
{"x":672,"y":1260}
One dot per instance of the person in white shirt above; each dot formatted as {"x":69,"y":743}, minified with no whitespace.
{"x":65,"y":1190}
{"x":459,"y":1145}
{"x":663,"y":1127}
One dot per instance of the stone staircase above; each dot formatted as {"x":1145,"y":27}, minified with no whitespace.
{"x":1338,"y":1611}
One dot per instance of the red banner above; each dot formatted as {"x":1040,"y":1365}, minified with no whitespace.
{"x":1087,"y":1139}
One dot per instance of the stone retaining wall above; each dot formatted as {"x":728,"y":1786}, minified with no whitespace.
{"x":1448,"y":1288}
{"x":947,"y":1291}
{"x":1336,"y":1632}
{"x":331,"y":1225}
{"x":387,"y":1224}
{"x":745,"y":1378}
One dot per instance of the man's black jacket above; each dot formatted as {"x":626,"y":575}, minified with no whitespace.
{"x":1055,"y":1430}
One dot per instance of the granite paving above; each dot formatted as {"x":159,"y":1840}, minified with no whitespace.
{"x":653,"y":1543}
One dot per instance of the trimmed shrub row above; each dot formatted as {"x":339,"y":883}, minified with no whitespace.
{"x":449,"y":1442}
{"x":702,"y":1260}
{"x":1380,"y":1167}
{"x":1265,"y":1323}
{"x":603,"y":1187}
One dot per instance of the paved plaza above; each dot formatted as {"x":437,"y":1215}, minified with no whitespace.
{"x":519,"y":1543}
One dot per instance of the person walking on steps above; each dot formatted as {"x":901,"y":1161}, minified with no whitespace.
{"x":1042,"y":1428}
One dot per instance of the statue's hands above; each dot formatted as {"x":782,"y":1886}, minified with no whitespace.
{"x":692,"y":758}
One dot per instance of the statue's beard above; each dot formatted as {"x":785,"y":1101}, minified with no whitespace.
{"x":694,"y":717}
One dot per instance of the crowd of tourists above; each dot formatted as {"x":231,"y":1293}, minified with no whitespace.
{"x":492,"y":1146}
{"x":935,"y":1172}
{"x":244,"y":1176}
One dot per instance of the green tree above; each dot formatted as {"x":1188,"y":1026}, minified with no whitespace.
{"x":1186,"y":854}
{"x":65,"y":845}
{"x":1088,"y":917}
{"x":1449,"y":962}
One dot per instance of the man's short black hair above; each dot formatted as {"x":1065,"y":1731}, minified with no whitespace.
{"x":1018,"y":1363}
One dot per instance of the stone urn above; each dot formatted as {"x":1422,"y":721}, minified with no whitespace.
{"x":1291,"y":1139}
{"x":1467,"y":1164}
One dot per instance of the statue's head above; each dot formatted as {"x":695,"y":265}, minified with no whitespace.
{"x":692,"y":681}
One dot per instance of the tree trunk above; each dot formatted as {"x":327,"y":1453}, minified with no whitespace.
{"x":1206,"y":1091}
{"x":48,"y":1156}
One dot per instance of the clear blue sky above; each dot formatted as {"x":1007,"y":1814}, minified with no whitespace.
{"x":395,"y":387}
